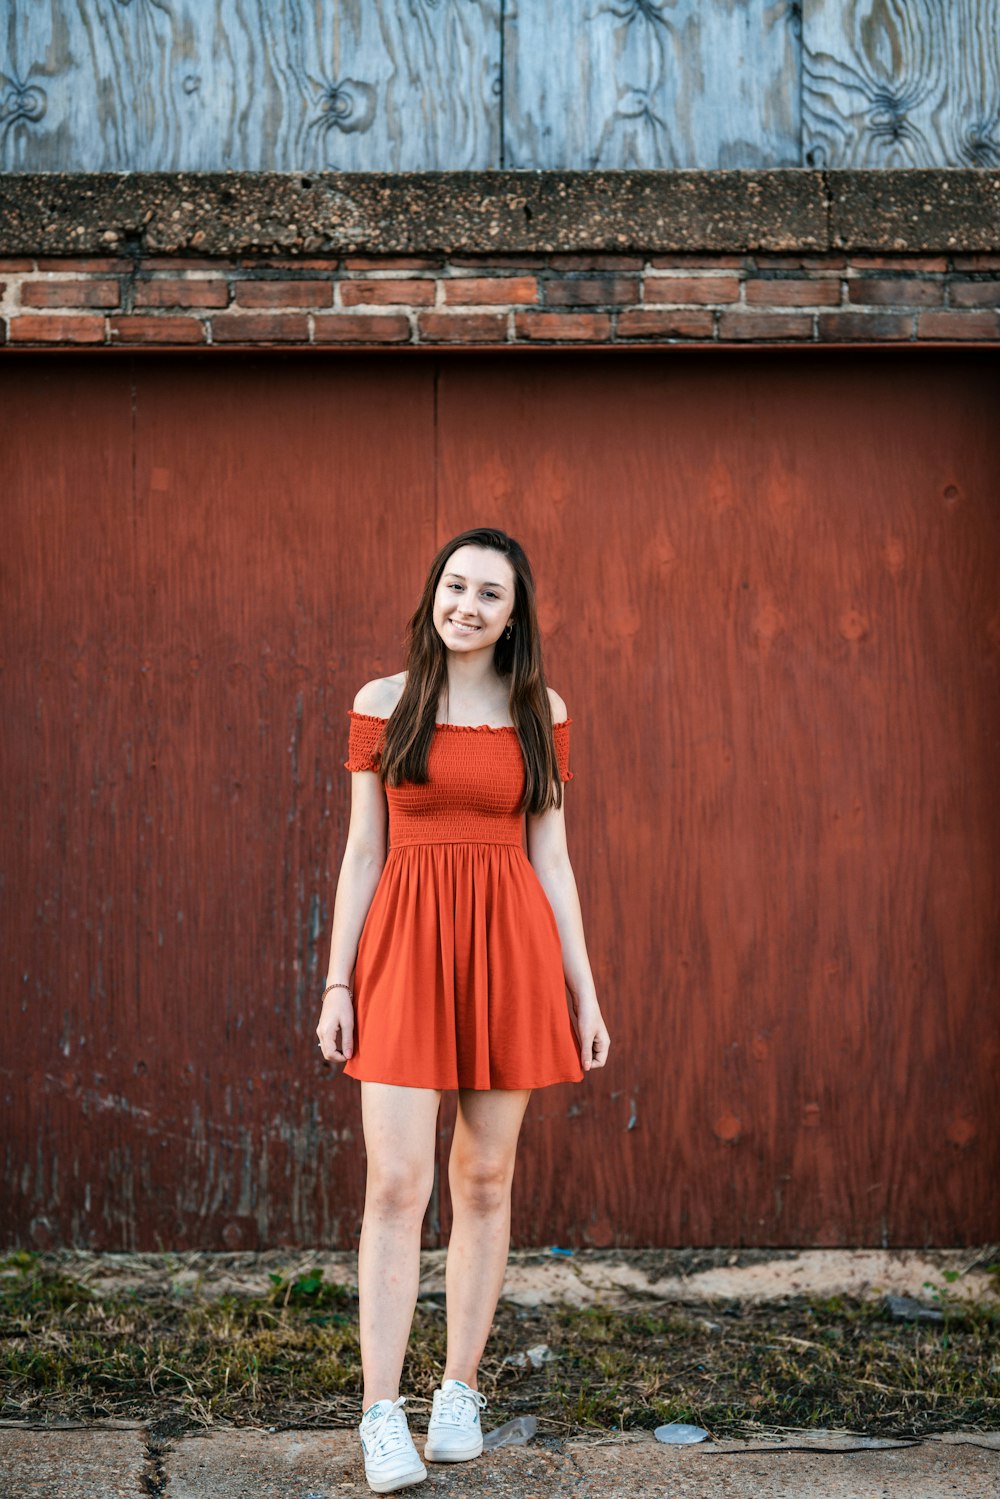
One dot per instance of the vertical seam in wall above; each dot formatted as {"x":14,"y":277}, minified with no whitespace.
{"x":132,"y":427}
{"x":800,"y":50}
{"x":138,"y":582}
{"x":503,"y":28}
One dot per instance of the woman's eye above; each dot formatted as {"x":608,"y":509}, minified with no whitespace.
{"x":489,"y":595}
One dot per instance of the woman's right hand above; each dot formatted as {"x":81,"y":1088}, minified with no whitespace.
{"x":336,"y":1026}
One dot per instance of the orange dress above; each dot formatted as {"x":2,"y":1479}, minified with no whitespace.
{"x":459,"y":978}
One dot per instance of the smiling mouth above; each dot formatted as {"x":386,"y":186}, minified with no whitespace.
{"x":466,"y":629}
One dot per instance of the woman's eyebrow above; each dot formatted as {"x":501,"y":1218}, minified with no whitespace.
{"x":485,"y":585}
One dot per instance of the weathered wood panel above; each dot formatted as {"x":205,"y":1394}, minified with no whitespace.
{"x":671,"y":84}
{"x":771,"y":603}
{"x":98,"y":85}
{"x":901,"y":83}
{"x":769,"y":592}
{"x":75,"y":874}
{"x":171,"y":754}
{"x":199,"y":85}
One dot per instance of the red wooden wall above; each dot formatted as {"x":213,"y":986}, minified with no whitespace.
{"x":769,"y":586}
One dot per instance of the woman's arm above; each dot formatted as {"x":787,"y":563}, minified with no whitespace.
{"x":549,"y":856}
{"x":360,"y":872}
{"x":550,"y":860}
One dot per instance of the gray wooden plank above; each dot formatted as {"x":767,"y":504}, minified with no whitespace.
{"x":901,"y":83}
{"x":251,"y":85}
{"x":437,"y":85}
{"x":625,"y":84}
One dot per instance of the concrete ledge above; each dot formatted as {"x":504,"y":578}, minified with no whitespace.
{"x":103,"y":1461}
{"x":226,"y":1463}
{"x":498,"y":213}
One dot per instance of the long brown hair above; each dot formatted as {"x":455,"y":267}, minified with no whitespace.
{"x":406,"y":739}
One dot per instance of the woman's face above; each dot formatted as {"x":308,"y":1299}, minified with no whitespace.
{"x":474,"y":599}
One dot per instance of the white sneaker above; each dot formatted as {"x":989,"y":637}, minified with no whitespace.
{"x":453,"y":1431}
{"x":391,"y":1460}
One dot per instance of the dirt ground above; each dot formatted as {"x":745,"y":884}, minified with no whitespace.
{"x":617,"y":1277}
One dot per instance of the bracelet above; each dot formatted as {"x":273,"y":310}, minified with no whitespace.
{"x":336,"y":986}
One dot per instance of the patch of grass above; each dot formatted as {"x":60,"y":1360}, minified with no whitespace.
{"x":291,"y":1358}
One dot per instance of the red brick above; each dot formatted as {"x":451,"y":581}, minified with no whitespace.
{"x":359,"y":327}
{"x":974,"y":293}
{"x":898,"y":292}
{"x":978,"y":262}
{"x":591,"y":291}
{"x":70,"y":294}
{"x":9,"y":265}
{"x":173,"y":293}
{"x":288,"y":263}
{"x":157,"y":330}
{"x":260,"y":327}
{"x":391,"y":263}
{"x":466,"y":291}
{"x":830,"y":262}
{"x":571,"y":262}
{"x":462,"y":327}
{"x":958,"y":325}
{"x":487,"y":262}
{"x":775,"y":293}
{"x":873,"y":326}
{"x":387,"y":293}
{"x":899,"y":262}
{"x":40,"y":329}
{"x":569,"y":327}
{"x":665,"y":323}
{"x":181,"y":263}
{"x":764,"y":325}
{"x":283,"y":293}
{"x":70,"y":263}
{"x":703,"y":289}
{"x":696,"y":260}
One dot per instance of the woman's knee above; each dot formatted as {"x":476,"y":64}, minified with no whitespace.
{"x":398,"y":1187}
{"x":483,"y":1184}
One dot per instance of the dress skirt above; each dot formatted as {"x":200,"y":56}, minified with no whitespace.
{"x":459,"y":978}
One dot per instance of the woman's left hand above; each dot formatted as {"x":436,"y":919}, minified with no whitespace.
{"x":592,"y":1034}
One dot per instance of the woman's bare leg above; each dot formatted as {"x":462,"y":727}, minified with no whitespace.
{"x":400,"y":1126}
{"x":480,"y":1171}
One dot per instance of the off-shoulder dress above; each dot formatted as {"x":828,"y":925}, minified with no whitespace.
{"x":459,"y":979}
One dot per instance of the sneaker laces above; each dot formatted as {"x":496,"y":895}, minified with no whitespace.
{"x":451,"y":1409}
{"x":389,"y":1431}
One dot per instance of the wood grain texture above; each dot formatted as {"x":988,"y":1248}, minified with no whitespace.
{"x":901,"y":83}
{"x":436,"y":85}
{"x":620,"y":84}
{"x":768,"y":592}
{"x":199,"y":85}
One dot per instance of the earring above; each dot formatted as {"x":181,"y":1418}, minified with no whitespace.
{"x":509,"y":629}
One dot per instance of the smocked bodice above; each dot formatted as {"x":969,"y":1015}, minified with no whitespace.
{"x":476,"y":780}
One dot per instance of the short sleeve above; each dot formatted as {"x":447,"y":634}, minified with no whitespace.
{"x":560,"y":733}
{"x":363,"y":741}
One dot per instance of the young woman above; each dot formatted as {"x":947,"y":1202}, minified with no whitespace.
{"x":461,"y":949}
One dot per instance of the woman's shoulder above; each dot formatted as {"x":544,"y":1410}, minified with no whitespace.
{"x":559,"y":710}
{"x":378,"y":698}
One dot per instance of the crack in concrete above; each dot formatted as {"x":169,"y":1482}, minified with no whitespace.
{"x":154,"y":1479}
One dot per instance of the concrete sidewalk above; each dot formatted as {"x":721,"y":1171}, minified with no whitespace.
{"x":118,"y":1461}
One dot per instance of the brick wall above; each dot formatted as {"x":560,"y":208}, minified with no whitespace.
{"x":521,"y":299}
